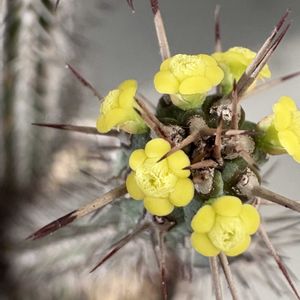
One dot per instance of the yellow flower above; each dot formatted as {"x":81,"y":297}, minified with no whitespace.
{"x":234,"y":63}
{"x":162,"y":185}
{"x":188,"y":78}
{"x":225,"y":226}
{"x":117,"y":110}
{"x":282,"y":129}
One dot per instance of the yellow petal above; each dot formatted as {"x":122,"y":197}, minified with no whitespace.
{"x":285,"y":103}
{"x":208,"y":60}
{"x":126,"y":98}
{"x":157,"y":148}
{"x":195,"y":85}
{"x":101,"y":125}
{"x":227,"y":206}
{"x":132,"y":187}
{"x":240,"y":248}
{"x":136,"y":158}
{"x":177,"y":161}
{"x":265,"y":72}
{"x":296,"y":156}
{"x":250,"y":218}
{"x":204,"y":219}
{"x":215,"y":74}
{"x":115,"y":117}
{"x":158,"y":206}
{"x":282,"y":119}
{"x":289,"y":141}
{"x":165,"y":65}
{"x":203,"y":245}
{"x":166,"y":83}
{"x":183,"y":193}
{"x":128,"y":84}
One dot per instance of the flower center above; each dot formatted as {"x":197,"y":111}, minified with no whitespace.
{"x":227,"y":232}
{"x":183,"y":65}
{"x":155,"y":179}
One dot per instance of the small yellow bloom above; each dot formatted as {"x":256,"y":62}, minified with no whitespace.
{"x":188,"y":78}
{"x":117,"y":110}
{"x":225,"y":226}
{"x":234,"y":63}
{"x":162,"y":185}
{"x":282,"y":129}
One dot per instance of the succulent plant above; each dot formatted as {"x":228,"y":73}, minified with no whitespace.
{"x":193,"y":165}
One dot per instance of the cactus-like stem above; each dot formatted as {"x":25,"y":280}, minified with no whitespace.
{"x":160,"y":31}
{"x":150,"y":119}
{"x":208,"y":163}
{"x":76,"y":128}
{"x":218,"y":42}
{"x":216,"y":280}
{"x":218,"y":141}
{"x":271,"y":83}
{"x":80,"y":212}
{"x":84,"y":82}
{"x":228,"y":276}
{"x":264,"y":193}
{"x":121,"y":243}
{"x":278,"y":260}
{"x":162,"y":264}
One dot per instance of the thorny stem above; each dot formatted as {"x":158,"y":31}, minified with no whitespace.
{"x":85,"y":82}
{"x":235,"y":106}
{"x":121,"y":243}
{"x":278,"y":260}
{"x":162,"y":264}
{"x":218,"y":43}
{"x":56,"y":5}
{"x":151,"y":120}
{"x":214,"y":268}
{"x":208,"y":163}
{"x":248,"y":159}
{"x":160,"y":226}
{"x":218,"y":141}
{"x":78,"y":213}
{"x":262,"y":192}
{"x":76,"y":128}
{"x":271,"y":83}
{"x":130,"y":3}
{"x":262,"y":56}
{"x":160,"y":31}
{"x":188,"y":140}
{"x":228,"y":275}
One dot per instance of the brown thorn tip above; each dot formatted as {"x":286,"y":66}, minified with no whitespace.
{"x":120,"y":244}
{"x":74,"y":128}
{"x":130,"y":3}
{"x":53,"y":226}
{"x":83,"y":81}
{"x":56,"y":5}
{"x":154,"y":6}
{"x":278,"y":260}
{"x":218,"y":46}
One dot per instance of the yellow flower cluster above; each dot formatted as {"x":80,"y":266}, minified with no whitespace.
{"x":234,"y":62}
{"x":162,"y":185}
{"x":188,"y":78}
{"x":117,"y":110}
{"x":225,"y":226}
{"x":282,"y":129}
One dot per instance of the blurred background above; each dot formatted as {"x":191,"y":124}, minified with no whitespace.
{"x":46,"y":173}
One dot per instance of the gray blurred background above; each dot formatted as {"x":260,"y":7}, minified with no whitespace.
{"x":45,"y":173}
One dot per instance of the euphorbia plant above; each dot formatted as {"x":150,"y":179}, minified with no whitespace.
{"x":195,"y":161}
